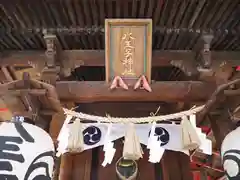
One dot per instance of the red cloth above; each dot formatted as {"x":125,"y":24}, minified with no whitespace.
{"x":3,"y":109}
{"x":196,"y":175}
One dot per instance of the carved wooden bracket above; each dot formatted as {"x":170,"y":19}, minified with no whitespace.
{"x":51,"y":71}
{"x":206,"y":53}
{"x":40,"y":99}
{"x":58,"y":64}
{"x":68,"y":65}
{"x":50,"y":75}
{"x":51,"y":52}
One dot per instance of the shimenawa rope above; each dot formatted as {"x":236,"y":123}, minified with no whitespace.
{"x":148,"y":119}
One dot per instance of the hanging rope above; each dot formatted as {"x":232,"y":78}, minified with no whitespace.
{"x":148,"y":119}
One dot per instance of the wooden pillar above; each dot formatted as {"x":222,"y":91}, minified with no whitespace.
{"x":66,"y":163}
{"x":57,"y":164}
{"x":184,"y":164}
{"x":221,"y":125}
{"x":176,"y":166}
{"x":81,"y":169}
{"x":67,"y":160}
{"x":73,"y":166}
{"x":66,"y":167}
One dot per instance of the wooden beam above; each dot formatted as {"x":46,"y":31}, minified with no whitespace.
{"x":7,"y":74}
{"x":22,"y":58}
{"x":36,"y":92}
{"x":93,"y":91}
{"x":7,"y":101}
{"x":97,"y":57}
{"x":126,"y":109}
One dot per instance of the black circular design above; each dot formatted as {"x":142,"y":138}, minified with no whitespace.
{"x":37,"y":163}
{"x":92,"y":135}
{"x":162,"y":135}
{"x":229,"y":155}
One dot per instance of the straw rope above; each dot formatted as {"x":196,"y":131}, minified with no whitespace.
{"x":148,"y":119}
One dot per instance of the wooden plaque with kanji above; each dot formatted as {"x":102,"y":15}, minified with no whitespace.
{"x":128,"y":48}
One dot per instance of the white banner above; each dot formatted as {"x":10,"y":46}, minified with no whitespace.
{"x":169,"y":135}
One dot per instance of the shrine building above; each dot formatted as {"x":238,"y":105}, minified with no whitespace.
{"x":98,"y":76}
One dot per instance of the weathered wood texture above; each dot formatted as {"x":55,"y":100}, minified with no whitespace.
{"x":90,"y":91}
{"x":66,"y":167}
{"x":4,"y":115}
{"x":56,"y":125}
{"x":7,"y":101}
{"x":145,"y":168}
{"x":128,"y":109}
{"x":82,"y":166}
{"x":110,"y":170}
{"x":176,"y":166}
{"x":221,"y":123}
{"x":79,"y":24}
{"x":97,"y":57}
{"x":49,"y":98}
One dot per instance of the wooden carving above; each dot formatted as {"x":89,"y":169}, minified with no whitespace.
{"x":206,"y":53}
{"x":51,"y":44}
{"x":128,"y":52}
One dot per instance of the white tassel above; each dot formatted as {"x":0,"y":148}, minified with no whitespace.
{"x":192,"y":119}
{"x":63,"y":137}
{"x":75,"y":137}
{"x":132,"y":148}
{"x":63,"y":130}
{"x":190,"y":138}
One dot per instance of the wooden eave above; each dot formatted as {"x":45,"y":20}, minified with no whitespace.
{"x":177,"y":25}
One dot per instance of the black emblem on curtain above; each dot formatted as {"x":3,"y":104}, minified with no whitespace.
{"x":92,"y":135}
{"x":162,"y":135}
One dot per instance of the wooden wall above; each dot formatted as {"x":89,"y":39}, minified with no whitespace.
{"x":173,"y":166}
